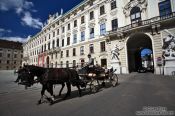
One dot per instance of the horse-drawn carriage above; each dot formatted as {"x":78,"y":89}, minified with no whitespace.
{"x":81,"y":78}
{"x":97,"y":77}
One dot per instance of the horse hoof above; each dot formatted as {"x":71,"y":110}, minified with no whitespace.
{"x":39,"y":102}
{"x":51,"y":102}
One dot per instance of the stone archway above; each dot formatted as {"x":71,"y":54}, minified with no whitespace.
{"x":135,"y":44}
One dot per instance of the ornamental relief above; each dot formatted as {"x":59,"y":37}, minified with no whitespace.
{"x":75,"y":31}
{"x":91,"y":25}
{"x":62,"y":36}
{"x":82,"y":28}
{"x":142,"y":4}
{"x":68,"y":34}
{"x":113,"y":12}
{"x":102,"y":20}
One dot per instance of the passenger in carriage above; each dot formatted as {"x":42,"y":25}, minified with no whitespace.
{"x":106,"y":69}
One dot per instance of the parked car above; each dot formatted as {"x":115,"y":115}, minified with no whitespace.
{"x":141,"y":70}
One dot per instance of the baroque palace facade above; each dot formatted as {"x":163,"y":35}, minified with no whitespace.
{"x":125,"y":34}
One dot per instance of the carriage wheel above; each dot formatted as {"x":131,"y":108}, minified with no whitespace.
{"x":114,"y":80}
{"x":93,"y":87}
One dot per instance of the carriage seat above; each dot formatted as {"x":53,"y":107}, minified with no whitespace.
{"x":92,"y":75}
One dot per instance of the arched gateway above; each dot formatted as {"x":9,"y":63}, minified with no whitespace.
{"x":138,"y":46}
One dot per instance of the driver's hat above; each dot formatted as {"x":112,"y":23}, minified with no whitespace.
{"x":89,"y":55}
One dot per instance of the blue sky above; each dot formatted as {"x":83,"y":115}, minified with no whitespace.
{"x":21,"y":18}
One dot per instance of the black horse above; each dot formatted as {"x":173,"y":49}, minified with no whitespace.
{"x":50,"y":76}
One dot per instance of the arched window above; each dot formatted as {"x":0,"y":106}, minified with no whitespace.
{"x":135,"y":14}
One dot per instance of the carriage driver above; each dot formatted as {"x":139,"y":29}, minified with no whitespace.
{"x":90,"y":63}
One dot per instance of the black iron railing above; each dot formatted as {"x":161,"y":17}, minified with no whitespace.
{"x":141,"y":23}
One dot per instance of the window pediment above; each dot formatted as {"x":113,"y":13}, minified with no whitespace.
{"x":142,"y":4}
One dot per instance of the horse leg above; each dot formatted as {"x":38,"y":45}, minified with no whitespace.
{"x":68,"y":90}
{"x":61,"y":89}
{"x":50,"y":90}
{"x":79,"y":90}
{"x":42,"y":93}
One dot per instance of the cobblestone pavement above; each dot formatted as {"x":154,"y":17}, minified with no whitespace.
{"x":134,"y":93}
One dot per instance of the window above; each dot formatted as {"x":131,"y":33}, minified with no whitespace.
{"x":75,"y":38}
{"x":8,"y":55}
{"x":14,"y":62}
{"x":114,"y":24}
{"x":8,"y":62}
{"x":51,"y":56}
{"x":58,"y":31}
{"x":91,"y":48}
{"x":67,"y":53}
{"x":54,"y":34}
{"x":57,"y":42}
{"x":102,"y":46}
{"x":75,"y":23}
{"x":62,"y":42}
{"x":53,"y":43}
{"x":165,"y":8}
{"x":49,"y":46}
{"x":91,"y":15}
{"x":15,"y":55}
{"x":113,"y":4}
{"x":61,"y":64}
{"x":68,"y":26}
{"x":91,"y":3}
{"x":61,"y":54}
{"x":42,"y":49}
{"x":135,"y":14}
{"x":74,"y":51}
{"x":102,"y":10}
{"x":67,"y":64}
{"x":62,"y":29}
{"x":0,"y":54}
{"x":91,"y":33}
{"x":0,"y":61}
{"x":68,"y":40}
{"x":82,"y":50}
{"x":82,"y":35}
{"x":74,"y":63}
{"x":103,"y":29}
{"x":55,"y":64}
{"x":45,"y":47}
{"x":82,"y":19}
{"x":49,"y":36}
{"x":56,"y":55}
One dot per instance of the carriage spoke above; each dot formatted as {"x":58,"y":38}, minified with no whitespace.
{"x":114,"y":80}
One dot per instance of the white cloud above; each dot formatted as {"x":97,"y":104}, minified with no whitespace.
{"x":30,"y":21}
{"x":19,"y":39}
{"x":6,"y":5}
{"x":22,"y":8}
{"x":4,"y":30}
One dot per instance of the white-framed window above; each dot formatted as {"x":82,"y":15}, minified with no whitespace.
{"x":102,"y":29}
{"x":82,"y":35}
{"x":82,"y":50}
{"x":91,"y":33}
{"x":75,"y":38}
